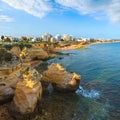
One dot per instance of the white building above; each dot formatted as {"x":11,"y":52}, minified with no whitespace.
{"x":46,"y":37}
{"x":33,"y":40}
{"x":71,"y":38}
{"x":52,"y":40}
{"x":58,"y":37}
{"x":85,"y":39}
{"x":67,"y":37}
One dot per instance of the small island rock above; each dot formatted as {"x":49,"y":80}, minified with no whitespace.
{"x":61,"y":79}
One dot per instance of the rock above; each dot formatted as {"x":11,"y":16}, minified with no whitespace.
{"x":6,"y":93}
{"x":16,"y":51}
{"x":47,"y":88}
{"x":38,"y":53}
{"x":50,"y":88}
{"x":27,"y":92}
{"x":60,"y":78}
{"x":26,"y":98}
{"x":13,"y":80}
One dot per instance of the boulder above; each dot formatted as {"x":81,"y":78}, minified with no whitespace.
{"x":61,"y":79}
{"x":26,"y":98}
{"x":6,"y":93}
{"x":27,"y":92}
{"x":38,"y":53}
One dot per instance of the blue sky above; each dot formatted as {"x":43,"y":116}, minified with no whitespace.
{"x":80,"y":18}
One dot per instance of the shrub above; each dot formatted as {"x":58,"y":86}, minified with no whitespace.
{"x":5,"y":56}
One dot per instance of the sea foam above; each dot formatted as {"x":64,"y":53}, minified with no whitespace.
{"x":88,"y":93}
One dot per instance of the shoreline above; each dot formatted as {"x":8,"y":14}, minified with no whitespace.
{"x":4,"y":110}
{"x":80,"y":46}
{"x":103,"y":42}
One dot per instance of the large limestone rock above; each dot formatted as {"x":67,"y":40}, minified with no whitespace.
{"x":38,"y":53}
{"x":27,"y":92}
{"x":6,"y":93}
{"x":61,"y":79}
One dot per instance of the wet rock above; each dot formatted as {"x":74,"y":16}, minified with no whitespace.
{"x":6,"y":93}
{"x":61,"y":79}
{"x":27,"y":92}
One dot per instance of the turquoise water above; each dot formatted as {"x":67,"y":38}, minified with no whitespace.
{"x":99,"y":67}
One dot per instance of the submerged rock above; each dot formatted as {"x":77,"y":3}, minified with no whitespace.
{"x":6,"y":93}
{"x":61,"y":79}
{"x":27,"y":92}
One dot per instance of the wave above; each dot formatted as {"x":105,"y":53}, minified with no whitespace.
{"x":88,"y":93}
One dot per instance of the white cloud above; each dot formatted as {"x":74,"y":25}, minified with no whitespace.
{"x":5,"y":18}
{"x":83,"y":6}
{"x":97,"y":9}
{"x":113,"y":11}
{"x":38,"y":8}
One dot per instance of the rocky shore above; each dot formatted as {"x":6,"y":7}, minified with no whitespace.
{"x":25,"y":92}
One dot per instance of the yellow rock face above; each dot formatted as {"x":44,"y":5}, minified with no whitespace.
{"x":57,"y":74}
{"x":29,"y":83}
{"x":23,"y":52}
{"x":30,"y":77}
{"x":28,"y":91}
{"x":16,"y":51}
{"x":38,"y":53}
{"x":26,"y":98}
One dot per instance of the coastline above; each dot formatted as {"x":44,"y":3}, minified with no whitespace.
{"x":103,"y":42}
{"x":81,"y":46}
{"x":4,"y":110}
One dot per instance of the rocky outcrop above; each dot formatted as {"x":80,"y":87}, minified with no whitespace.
{"x":16,"y":51}
{"x":38,"y":53}
{"x":27,"y":92}
{"x":60,"y":78}
{"x":6,"y":93}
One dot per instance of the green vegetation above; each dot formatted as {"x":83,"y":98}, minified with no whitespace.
{"x":5,"y":56}
{"x":19,"y":44}
{"x":7,"y":39}
{"x":2,"y":37}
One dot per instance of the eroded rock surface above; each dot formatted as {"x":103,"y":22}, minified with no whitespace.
{"x":62,"y":80}
{"x":38,"y":53}
{"x":27,"y":92}
{"x":16,"y":51}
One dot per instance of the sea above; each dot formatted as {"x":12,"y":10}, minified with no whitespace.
{"x":98,"y":96}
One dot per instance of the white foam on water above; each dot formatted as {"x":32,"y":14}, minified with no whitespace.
{"x":87,"y":93}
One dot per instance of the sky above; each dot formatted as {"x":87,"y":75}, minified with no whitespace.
{"x":80,"y":18}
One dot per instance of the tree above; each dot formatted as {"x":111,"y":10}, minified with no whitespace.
{"x":2,"y":37}
{"x":25,"y":39}
{"x":7,"y":39}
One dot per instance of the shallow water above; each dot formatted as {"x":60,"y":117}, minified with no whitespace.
{"x":99,"y":67}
